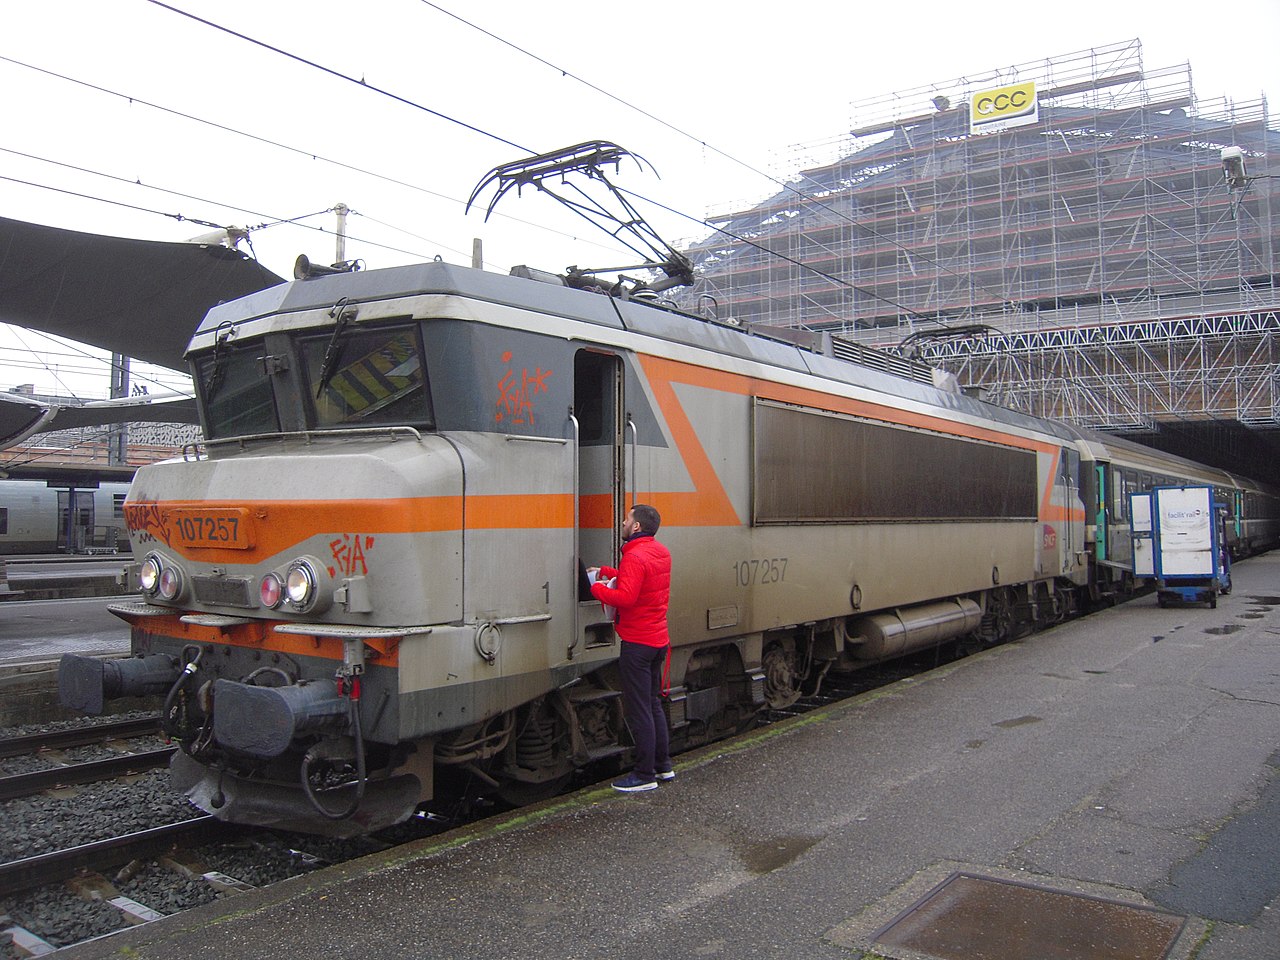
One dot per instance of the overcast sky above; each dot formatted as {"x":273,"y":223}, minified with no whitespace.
{"x":716,"y":80}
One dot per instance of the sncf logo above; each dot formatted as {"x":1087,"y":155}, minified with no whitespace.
{"x":1003,"y":104}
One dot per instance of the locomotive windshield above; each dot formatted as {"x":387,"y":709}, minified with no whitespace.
{"x":350,"y":377}
{"x":238,"y":399}
{"x":366,"y":377}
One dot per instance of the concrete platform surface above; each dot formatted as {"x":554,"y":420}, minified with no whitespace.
{"x":1131,"y":756}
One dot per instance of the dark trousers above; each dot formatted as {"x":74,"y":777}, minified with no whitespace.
{"x":641,"y":668}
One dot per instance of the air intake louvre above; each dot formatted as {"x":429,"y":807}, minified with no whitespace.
{"x":223,"y":591}
{"x":881,"y":360}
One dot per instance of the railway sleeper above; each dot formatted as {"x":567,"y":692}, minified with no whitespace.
{"x":186,"y":865}
{"x":27,"y":944}
{"x":94,"y":886}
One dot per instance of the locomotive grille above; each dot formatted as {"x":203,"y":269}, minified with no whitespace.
{"x":225,"y":591}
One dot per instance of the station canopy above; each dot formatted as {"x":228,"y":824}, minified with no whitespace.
{"x":140,"y":298}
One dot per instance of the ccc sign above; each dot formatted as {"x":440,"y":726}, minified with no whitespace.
{"x":1003,"y":107}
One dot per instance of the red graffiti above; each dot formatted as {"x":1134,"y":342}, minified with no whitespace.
{"x":146,"y":520}
{"x":349,"y":552}
{"x":516,"y":392}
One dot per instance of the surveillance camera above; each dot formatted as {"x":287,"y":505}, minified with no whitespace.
{"x":1233,"y":168}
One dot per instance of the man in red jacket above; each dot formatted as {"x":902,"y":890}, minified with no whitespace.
{"x":640,"y":594}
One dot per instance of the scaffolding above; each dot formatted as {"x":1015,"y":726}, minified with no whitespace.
{"x":1110,"y":209}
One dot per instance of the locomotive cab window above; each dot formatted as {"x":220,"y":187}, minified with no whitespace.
{"x":238,"y":400}
{"x":366,"y":377}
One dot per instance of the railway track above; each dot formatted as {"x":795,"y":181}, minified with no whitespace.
{"x":112,"y":850}
{"x":67,"y":896}
{"x":58,"y":897}
{"x":78,"y":736}
{"x":91,"y":771}
{"x":18,"y":876}
{"x":46,"y":747}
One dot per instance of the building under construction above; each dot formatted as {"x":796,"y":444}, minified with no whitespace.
{"x":1085,"y":256}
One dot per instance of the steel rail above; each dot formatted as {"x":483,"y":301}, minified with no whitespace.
{"x":77,"y":736}
{"x":59,"y":865}
{"x":25,"y":784}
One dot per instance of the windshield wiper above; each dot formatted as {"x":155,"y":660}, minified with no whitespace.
{"x":224,"y":333}
{"x":336,"y":346}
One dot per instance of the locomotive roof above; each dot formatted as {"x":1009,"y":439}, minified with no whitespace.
{"x":635,"y":316}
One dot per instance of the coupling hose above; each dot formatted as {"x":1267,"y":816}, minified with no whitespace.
{"x":311,"y":755}
{"x":191,"y":655}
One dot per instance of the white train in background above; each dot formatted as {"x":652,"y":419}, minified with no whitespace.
{"x":37,"y":518}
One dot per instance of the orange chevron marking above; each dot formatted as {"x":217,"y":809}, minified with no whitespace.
{"x":709,"y":505}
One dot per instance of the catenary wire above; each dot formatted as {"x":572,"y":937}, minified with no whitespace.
{"x":936,"y":318}
{"x":206,"y":223}
{"x":75,"y":349}
{"x":492,"y":136}
{"x":309,"y":154}
{"x":336,"y":73}
{"x":789,"y":187}
{"x":134,"y":182}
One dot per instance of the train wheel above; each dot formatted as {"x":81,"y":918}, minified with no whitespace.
{"x":998,"y":624}
{"x":781,"y":679}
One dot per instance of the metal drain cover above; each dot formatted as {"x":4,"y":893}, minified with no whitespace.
{"x":970,"y":917}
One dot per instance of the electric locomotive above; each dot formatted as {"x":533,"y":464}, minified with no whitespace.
{"x":365,"y":586}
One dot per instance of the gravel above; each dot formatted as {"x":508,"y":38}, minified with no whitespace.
{"x":76,"y":723}
{"x":54,"y":821}
{"x":96,"y":811}
{"x":60,"y":918}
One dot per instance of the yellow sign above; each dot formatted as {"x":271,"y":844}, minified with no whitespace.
{"x":1003,"y":107}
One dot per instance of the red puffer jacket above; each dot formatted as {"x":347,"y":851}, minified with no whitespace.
{"x":640,"y":593}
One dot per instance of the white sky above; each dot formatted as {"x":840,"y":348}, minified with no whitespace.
{"x":747,"y":81}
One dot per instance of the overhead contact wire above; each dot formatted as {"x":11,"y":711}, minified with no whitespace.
{"x":203,"y":223}
{"x":310,"y":154}
{"x":339,"y":74}
{"x":707,"y":222}
{"x":500,"y":139}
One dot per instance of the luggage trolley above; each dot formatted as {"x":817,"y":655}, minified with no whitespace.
{"x":1190,"y":560}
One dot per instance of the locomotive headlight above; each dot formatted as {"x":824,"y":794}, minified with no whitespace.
{"x":149,"y":573}
{"x":170,"y":582}
{"x":271,"y":590}
{"x":304,"y":585}
{"x":300,"y":584}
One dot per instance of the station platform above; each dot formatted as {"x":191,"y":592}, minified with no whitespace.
{"x":1106,"y":789}
{"x":61,"y":576}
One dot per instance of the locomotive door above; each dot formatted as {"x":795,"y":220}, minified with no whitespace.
{"x":601,"y":431}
